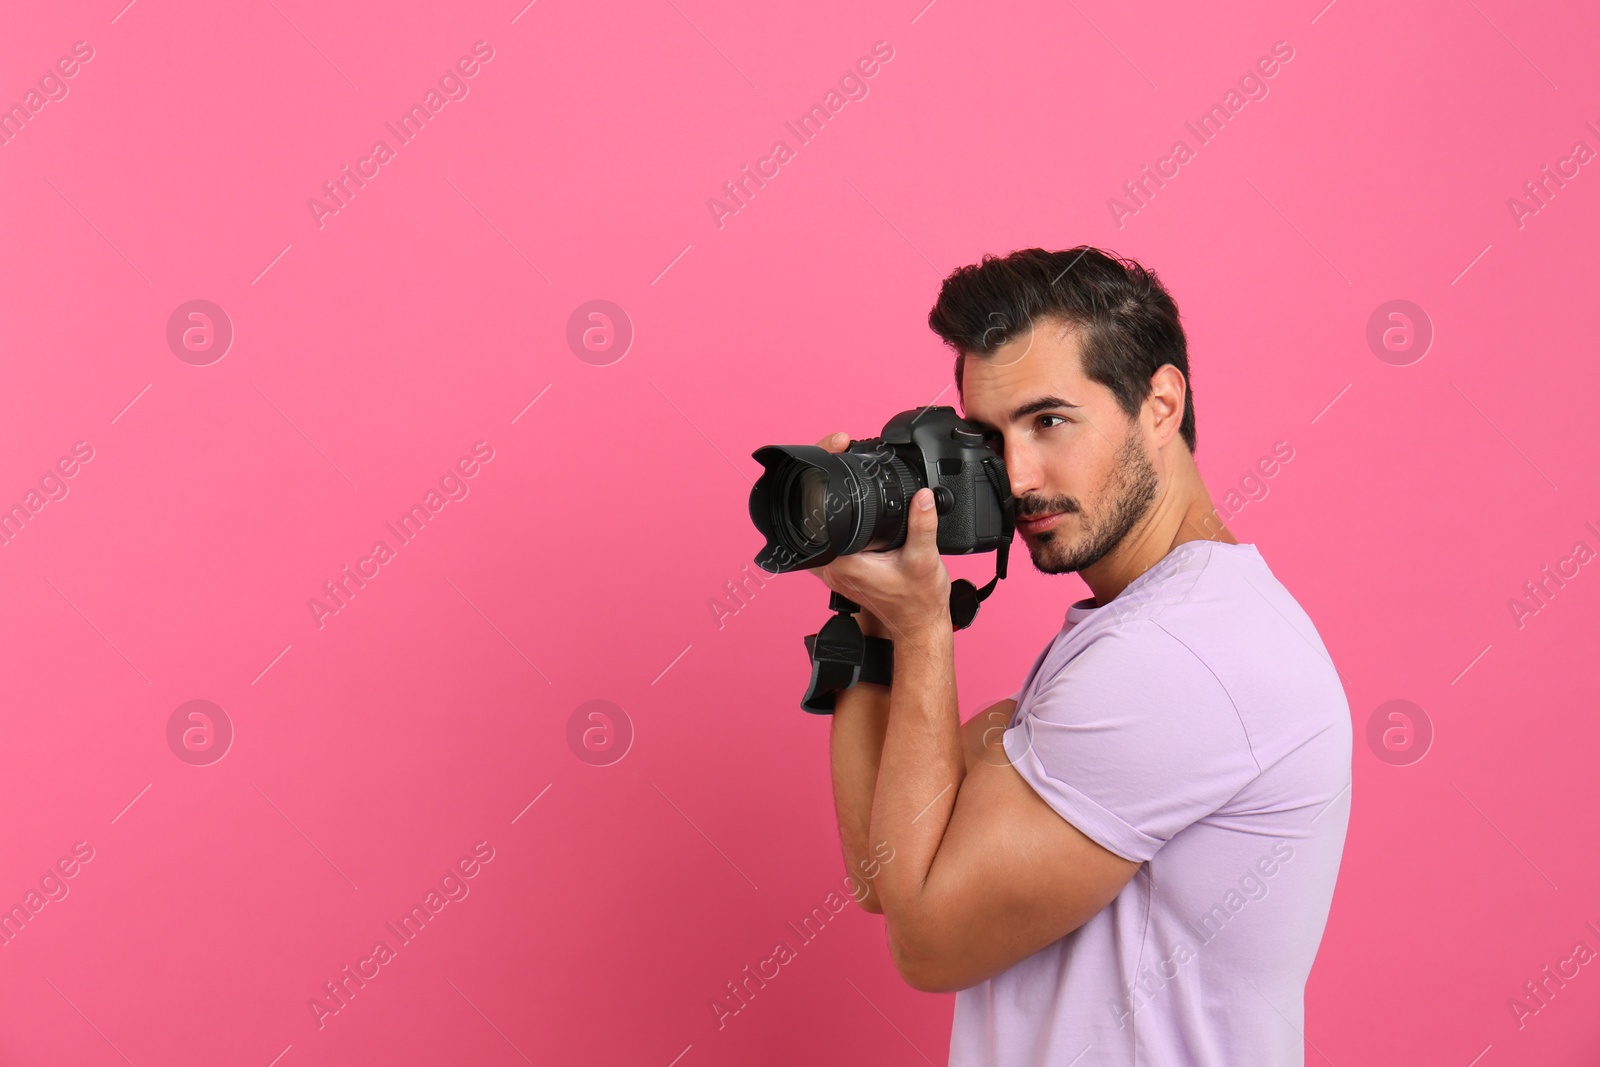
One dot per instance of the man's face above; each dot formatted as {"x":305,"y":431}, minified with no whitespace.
{"x":1078,"y":465}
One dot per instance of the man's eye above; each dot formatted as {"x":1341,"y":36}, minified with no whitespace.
{"x":1062,"y":418}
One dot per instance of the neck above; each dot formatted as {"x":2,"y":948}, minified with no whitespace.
{"x":1182,"y":511}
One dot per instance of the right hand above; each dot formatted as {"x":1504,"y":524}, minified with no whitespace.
{"x":871,"y":625}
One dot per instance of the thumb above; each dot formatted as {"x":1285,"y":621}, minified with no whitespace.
{"x":922,"y":524}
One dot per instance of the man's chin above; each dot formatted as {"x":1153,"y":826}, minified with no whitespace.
{"x":1050,"y":555}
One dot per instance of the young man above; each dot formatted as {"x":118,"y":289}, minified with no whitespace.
{"x":1131,"y":859}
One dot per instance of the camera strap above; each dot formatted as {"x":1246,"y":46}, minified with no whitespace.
{"x":841,"y":655}
{"x":964,"y":596}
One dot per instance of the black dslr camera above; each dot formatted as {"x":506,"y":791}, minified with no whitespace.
{"x":813,"y":506}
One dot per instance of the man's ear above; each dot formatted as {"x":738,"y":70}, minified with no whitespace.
{"x":1165,"y":402}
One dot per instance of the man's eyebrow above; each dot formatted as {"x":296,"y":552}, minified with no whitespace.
{"x":1040,"y":404}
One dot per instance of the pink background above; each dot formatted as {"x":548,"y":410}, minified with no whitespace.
{"x":372,"y":753}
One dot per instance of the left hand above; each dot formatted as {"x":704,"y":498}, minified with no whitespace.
{"x":908,"y":587}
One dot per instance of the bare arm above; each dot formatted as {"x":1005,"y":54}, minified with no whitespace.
{"x":860,"y":720}
{"x":987,"y":873}
{"x":860,"y":717}
{"x":984,"y":872}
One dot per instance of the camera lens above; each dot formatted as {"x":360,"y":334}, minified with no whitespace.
{"x":805,"y":511}
{"x":814,"y":505}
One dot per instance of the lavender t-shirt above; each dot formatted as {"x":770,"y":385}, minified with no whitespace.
{"x":1196,"y":725}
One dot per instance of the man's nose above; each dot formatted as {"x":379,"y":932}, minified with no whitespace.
{"x":1023,"y":471}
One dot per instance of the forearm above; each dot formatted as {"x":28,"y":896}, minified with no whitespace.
{"x":856,"y":744}
{"x":919,"y":774}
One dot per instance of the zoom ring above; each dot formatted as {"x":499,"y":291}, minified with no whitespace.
{"x":866,"y":507}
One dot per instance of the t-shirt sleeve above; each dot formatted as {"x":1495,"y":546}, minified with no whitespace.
{"x":1133,"y":740}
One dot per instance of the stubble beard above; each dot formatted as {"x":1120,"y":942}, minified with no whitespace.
{"x":1131,"y":487}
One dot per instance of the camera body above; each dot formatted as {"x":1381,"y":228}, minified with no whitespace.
{"x":813,"y":505}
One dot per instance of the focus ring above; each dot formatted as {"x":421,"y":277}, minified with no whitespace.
{"x":866,"y":505}
{"x":909,"y":484}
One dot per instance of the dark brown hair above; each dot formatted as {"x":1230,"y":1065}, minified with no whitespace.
{"x":1128,"y":323}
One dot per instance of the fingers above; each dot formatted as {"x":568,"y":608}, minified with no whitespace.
{"x":922,"y":524}
{"x":835,"y":442}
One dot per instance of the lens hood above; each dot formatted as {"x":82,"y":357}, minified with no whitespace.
{"x":789,"y":547}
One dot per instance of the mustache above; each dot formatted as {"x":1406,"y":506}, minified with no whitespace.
{"x":1032,"y":507}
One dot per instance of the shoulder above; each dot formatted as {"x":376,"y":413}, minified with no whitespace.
{"x":1134,"y":663}
{"x":1258,"y":645}
{"x":1243,"y":623}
